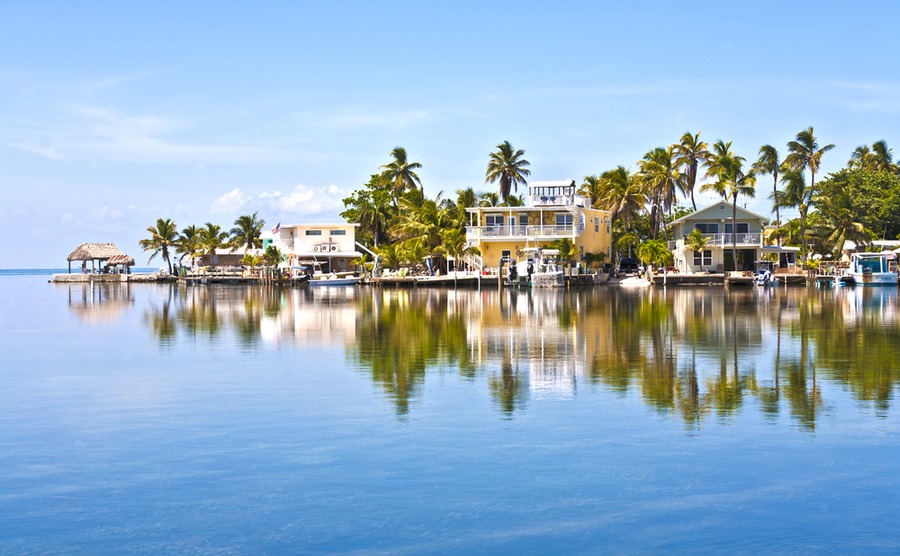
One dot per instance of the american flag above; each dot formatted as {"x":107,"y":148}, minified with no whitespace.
{"x":277,"y":228}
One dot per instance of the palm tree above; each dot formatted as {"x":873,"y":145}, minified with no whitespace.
{"x":188,"y":244}
{"x":246,"y":232}
{"x":860,"y":159}
{"x":796,"y":194}
{"x":660,"y":178}
{"x":840,"y":226}
{"x":805,"y":153}
{"x":591,"y":189}
{"x":690,"y":153}
{"x":731,"y":182}
{"x":882,"y":158}
{"x":453,"y":245}
{"x":509,"y":166}
{"x":696,"y":241}
{"x":622,"y":196}
{"x":273,"y":256}
{"x":489,"y":199}
{"x":163,"y":237}
{"x":400,"y":174}
{"x":211,"y":238}
{"x":768,"y":163}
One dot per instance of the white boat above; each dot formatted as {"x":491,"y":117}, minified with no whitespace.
{"x":635,"y":282}
{"x":539,"y":268}
{"x":335,"y":280}
{"x":873,"y":269}
{"x":764,"y":275}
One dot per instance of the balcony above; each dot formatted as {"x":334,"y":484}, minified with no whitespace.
{"x":475,"y":233}
{"x":724,"y":240}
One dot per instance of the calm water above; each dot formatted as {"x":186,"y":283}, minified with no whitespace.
{"x":156,"y":419}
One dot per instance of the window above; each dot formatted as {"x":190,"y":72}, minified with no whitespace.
{"x":523,"y":220}
{"x":506,"y":255}
{"x":313,"y":232}
{"x":742,"y":228}
{"x":564,"y":219}
{"x":707,"y":228}
{"x":703,"y":258}
{"x":338,"y":232}
{"x":491,"y":220}
{"x":596,"y":225}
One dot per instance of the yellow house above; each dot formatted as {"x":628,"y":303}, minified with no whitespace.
{"x":555,"y":212}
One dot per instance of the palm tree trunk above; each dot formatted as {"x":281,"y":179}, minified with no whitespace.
{"x":734,"y":232}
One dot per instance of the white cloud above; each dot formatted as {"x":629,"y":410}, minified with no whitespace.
{"x":301,"y":200}
{"x":229,"y":203}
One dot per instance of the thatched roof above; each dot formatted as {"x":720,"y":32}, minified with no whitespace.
{"x":121,"y":259}
{"x":91,"y":251}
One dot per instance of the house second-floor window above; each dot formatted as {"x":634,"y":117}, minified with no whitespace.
{"x":707,"y":228}
{"x":703,"y":258}
{"x":523,"y":220}
{"x":742,"y":228}
{"x":313,"y":232}
{"x":564,"y":219}
{"x":491,"y":220}
{"x":338,"y":232}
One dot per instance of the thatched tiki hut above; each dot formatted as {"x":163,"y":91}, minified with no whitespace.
{"x":100,"y":255}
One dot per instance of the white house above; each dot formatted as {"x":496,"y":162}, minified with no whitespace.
{"x":716,"y":224}
{"x":333,"y":246}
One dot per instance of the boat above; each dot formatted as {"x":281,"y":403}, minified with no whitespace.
{"x":765,"y":277}
{"x":539,"y":268}
{"x":315,"y":277}
{"x":635,"y":282}
{"x":873,"y":269}
{"x":335,"y":280}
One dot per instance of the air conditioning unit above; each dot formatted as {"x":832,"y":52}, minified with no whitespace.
{"x":334,"y":247}
{"x":324,"y":247}
{"x":316,"y":248}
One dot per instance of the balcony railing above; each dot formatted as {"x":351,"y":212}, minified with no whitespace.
{"x":723,"y":240}
{"x":488,"y":232}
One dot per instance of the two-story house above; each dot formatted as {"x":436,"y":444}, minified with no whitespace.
{"x":333,"y":246}
{"x":716,"y":224}
{"x":555,"y":212}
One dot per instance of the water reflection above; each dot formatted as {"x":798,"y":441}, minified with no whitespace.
{"x":694,"y":354}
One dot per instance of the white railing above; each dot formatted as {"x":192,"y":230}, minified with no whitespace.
{"x":537,"y":232}
{"x":724,"y":240}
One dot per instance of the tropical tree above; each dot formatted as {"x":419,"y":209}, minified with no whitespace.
{"x":420,"y":218}
{"x":454,"y":246}
{"x":839,"y":223}
{"x":390,"y":257}
{"x":514,"y":201}
{"x":690,"y":154}
{"x":796,"y":194}
{"x":372,"y":209}
{"x":768,"y":163}
{"x":246,"y":232}
{"x":253,"y":261}
{"x":273,"y":256}
{"x":622,"y":196}
{"x":591,"y":189}
{"x":489,"y":199}
{"x":731,"y":181}
{"x":509,"y":166}
{"x":211,"y":238}
{"x":696,"y":241}
{"x":163,"y":237}
{"x":882,"y":158}
{"x":188,"y":244}
{"x":861,"y":158}
{"x":654,"y":252}
{"x":805,"y":154}
{"x":400,"y":175}
{"x":659,"y":177}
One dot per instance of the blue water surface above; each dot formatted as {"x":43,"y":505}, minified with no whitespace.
{"x":157,"y":419}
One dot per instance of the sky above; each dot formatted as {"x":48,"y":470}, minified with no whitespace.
{"x":114,"y":114}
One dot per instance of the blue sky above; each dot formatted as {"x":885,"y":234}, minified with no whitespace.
{"x":114,"y":114}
